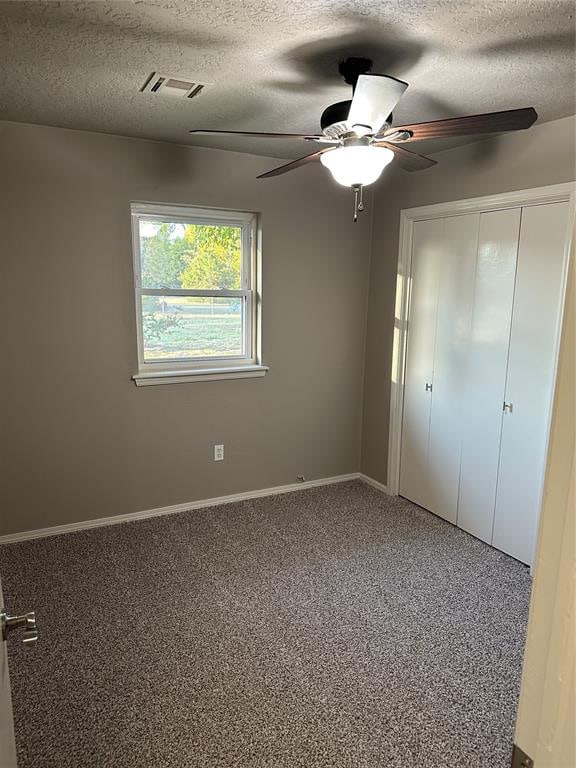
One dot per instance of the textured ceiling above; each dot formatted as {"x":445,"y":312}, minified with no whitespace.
{"x":272,"y":65}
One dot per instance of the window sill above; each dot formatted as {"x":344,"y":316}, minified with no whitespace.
{"x":152,"y":378}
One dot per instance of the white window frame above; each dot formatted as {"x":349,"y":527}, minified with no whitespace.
{"x":172,"y":371}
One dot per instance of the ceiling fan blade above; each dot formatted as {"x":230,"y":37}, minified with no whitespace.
{"x":294,"y":164}
{"x":410,"y":161}
{"x":261,"y":135}
{"x":374,"y":99}
{"x":492,"y":122}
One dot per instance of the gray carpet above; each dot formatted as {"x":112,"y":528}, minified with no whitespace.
{"x":330,"y":627}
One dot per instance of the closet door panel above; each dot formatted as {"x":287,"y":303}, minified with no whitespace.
{"x":456,"y":288}
{"x":486,"y":360}
{"x":427,"y":247}
{"x":530,"y":379}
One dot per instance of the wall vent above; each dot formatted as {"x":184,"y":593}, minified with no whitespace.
{"x":172,"y":86}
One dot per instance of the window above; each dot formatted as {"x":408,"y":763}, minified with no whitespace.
{"x":197,"y":301}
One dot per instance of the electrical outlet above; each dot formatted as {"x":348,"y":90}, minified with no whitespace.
{"x":218,"y":453}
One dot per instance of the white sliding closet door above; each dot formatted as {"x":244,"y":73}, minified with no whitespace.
{"x":530,"y":377}
{"x":427,"y":251}
{"x":485,"y":369}
{"x":456,"y":288}
{"x":443,"y":260}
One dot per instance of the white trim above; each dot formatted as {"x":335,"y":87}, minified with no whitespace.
{"x":520,"y":198}
{"x":399,"y":342}
{"x":205,"y":294}
{"x":151,"y":378}
{"x":58,"y":530}
{"x":175,"y":212}
{"x":373,"y":483}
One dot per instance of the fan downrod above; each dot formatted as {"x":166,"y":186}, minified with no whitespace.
{"x":354,"y":66}
{"x":333,"y":119}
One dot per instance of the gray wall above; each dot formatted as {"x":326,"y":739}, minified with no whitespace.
{"x":80,"y":440}
{"x":543,"y":155}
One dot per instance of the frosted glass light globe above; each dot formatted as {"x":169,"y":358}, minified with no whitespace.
{"x":356,"y":165}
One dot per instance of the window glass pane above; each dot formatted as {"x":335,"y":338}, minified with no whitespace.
{"x":190,"y":327}
{"x":200,"y":256}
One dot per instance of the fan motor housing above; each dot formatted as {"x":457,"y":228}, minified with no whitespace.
{"x":333,"y":120}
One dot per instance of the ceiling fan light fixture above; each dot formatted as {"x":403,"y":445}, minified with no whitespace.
{"x":352,"y":166}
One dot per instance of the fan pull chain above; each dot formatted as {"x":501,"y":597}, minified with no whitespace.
{"x":358,"y":200}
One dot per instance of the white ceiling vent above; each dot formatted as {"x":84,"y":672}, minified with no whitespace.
{"x":172,"y":86}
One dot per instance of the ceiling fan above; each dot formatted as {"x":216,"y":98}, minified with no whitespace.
{"x":361,"y":138}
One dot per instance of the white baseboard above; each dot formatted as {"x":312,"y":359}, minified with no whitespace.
{"x":373,"y":483}
{"x":57,"y":530}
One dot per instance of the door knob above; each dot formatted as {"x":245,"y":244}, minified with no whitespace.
{"x":428,"y":387}
{"x":27,"y":621}
{"x":508,"y":407}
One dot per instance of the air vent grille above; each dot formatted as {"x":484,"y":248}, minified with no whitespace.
{"x":172,"y":86}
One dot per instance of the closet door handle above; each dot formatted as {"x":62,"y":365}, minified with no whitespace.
{"x":428,"y":387}
{"x":508,"y":407}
